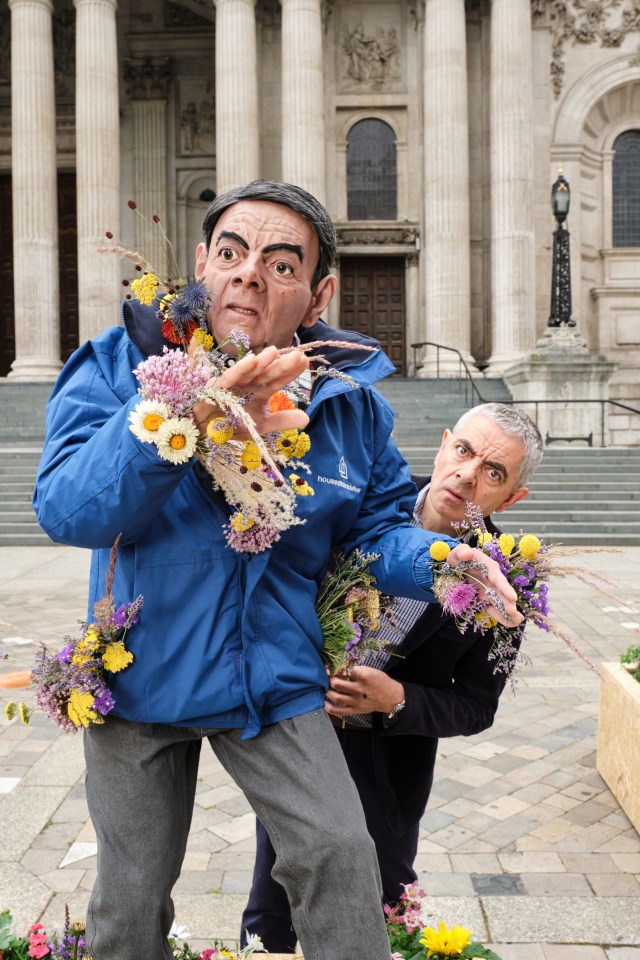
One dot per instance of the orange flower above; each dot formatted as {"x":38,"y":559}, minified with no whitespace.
{"x":280,"y":401}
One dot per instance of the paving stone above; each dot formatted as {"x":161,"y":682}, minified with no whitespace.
{"x":589,"y":863}
{"x":531,"y":863}
{"x":623,"y":953}
{"x":558,"y":951}
{"x":475,"y":863}
{"x":237,"y":828}
{"x":616,"y":885}
{"x":196,"y":860}
{"x":504,"y":807}
{"x":436,"y":819}
{"x":201,"y":882}
{"x":23,"y":814}
{"x":518,"y":951}
{"x":576,"y":920}
{"x":497,"y":884}
{"x":24,"y":895}
{"x":627,"y":862}
{"x":556,"y":885}
{"x":433,"y":863}
{"x":446,"y":884}
{"x":63,"y":881}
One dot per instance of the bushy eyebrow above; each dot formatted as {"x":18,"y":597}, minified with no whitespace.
{"x":230,"y":235}
{"x":270,"y":248}
{"x":291,"y":247}
{"x":495,"y":464}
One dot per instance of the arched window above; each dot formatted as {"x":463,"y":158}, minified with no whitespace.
{"x":371,"y":171}
{"x":626,"y":189}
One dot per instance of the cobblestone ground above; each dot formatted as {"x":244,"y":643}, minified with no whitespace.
{"x":522,"y":841}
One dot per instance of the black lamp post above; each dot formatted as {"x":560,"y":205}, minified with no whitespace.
{"x":561,"y":271}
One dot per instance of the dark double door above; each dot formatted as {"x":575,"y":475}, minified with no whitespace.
{"x":372,"y":302}
{"x":68,"y":270}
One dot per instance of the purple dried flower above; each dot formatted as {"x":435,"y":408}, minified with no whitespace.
{"x":459,"y":598}
{"x":65,"y":655}
{"x":104,"y":702}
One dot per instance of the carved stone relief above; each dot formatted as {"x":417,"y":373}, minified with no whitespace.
{"x":371,"y":55}
{"x":269,"y":13}
{"x":602,"y":22}
{"x":349,"y":236}
{"x":188,"y":13}
{"x":196,"y":117}
{"x":64,"y":49}
{"x":416,"y":12}
{"x":148,"y":79}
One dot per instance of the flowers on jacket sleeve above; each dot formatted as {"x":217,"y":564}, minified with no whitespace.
{"x":177,"y":439}
{"x":147,"y":418}
{"x":527,"y":567}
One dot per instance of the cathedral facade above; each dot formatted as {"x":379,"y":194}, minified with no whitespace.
{"x":431,"y":129}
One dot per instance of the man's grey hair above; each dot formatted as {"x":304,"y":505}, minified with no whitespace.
{"x":517,"y":424}
{"x":289,"y":195}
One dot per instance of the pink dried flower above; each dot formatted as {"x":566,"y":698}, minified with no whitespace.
{"x":459,"y":598}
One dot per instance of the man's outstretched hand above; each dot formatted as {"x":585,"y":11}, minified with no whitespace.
{"x":260,"y":375}
{"x":493,"y":579}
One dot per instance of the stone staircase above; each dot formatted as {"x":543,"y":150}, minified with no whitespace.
{"x":579,"y":495}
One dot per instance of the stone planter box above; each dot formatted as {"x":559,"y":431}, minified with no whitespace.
{"x":618,"y":758}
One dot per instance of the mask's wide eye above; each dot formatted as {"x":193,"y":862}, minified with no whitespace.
{"x":284,"y":269}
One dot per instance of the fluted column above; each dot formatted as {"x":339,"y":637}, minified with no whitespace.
{"x":303,"y":133}
{"x":237,"y":118}
{"x":446,"y":179}
{"x":97,"y":163}
{"x":34,"y":186}
{"x":513,"y":325}
{"x":147,"y":85}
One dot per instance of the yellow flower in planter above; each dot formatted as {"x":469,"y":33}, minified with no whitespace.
{"x":447,"y":942}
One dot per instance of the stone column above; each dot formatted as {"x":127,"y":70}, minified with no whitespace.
{"x":97,"y":163}
{"x":303,"y":133}
{"x":446,"y":184}
{"x":34,"y":186}
{"x":147,"y":85}
{"x":412,"y":301}
{"x":237,"y":117}
{"x":513,"y":328}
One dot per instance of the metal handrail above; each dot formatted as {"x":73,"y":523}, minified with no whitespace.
{"x":462,"y":362}
{"x":535,"y":403}
{"x":613,"y":403}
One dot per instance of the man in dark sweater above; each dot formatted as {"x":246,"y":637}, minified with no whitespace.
{"x":428,"y":681}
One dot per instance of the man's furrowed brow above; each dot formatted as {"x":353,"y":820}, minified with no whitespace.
{"x":291,"y":247}
{"x":230,"y":235}
{"x":494,"y":464}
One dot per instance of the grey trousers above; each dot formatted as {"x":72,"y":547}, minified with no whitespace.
{"x":141,"y":781}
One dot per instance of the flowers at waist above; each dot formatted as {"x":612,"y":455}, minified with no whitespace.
{"x":72,"y":684}
{"x":349,"y":609}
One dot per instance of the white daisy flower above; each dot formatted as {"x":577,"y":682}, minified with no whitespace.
{"x":254,"y":943}
{"x":147,"y":418}
{"x":177,"y":439}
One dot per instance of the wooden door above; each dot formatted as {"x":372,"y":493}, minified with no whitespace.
{"x":372,"y":302}
{"x":67,"y":269}
{"x":68,"y":264}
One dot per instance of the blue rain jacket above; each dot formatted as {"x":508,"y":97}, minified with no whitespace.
{"x":225,"y":640}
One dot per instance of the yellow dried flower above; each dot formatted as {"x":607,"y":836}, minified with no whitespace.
{"x":439,"y":550}
{"x":529,"y":547}
{"x":302,"y":445}
{"x":506,"y":543}
{"x":203,"y":338}
{"x":286,"y":443}
{"x":220,"y":431}
{"x":251,"y":457}
{"x":372,"y":608}
{"x":11,"y":710}
{"x":485,"y":620}
{"x":116,"y":657}
{"x":145,"y":288}
{"x":484,"y":537}
{"x":25,"y":712}
{"x":80,"y":709}
{"x":300,"y":487}
{"x":241,"y":522}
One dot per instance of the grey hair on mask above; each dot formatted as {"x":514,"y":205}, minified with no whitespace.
{"x":289,"y":195}
{"x":516,"y":424}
